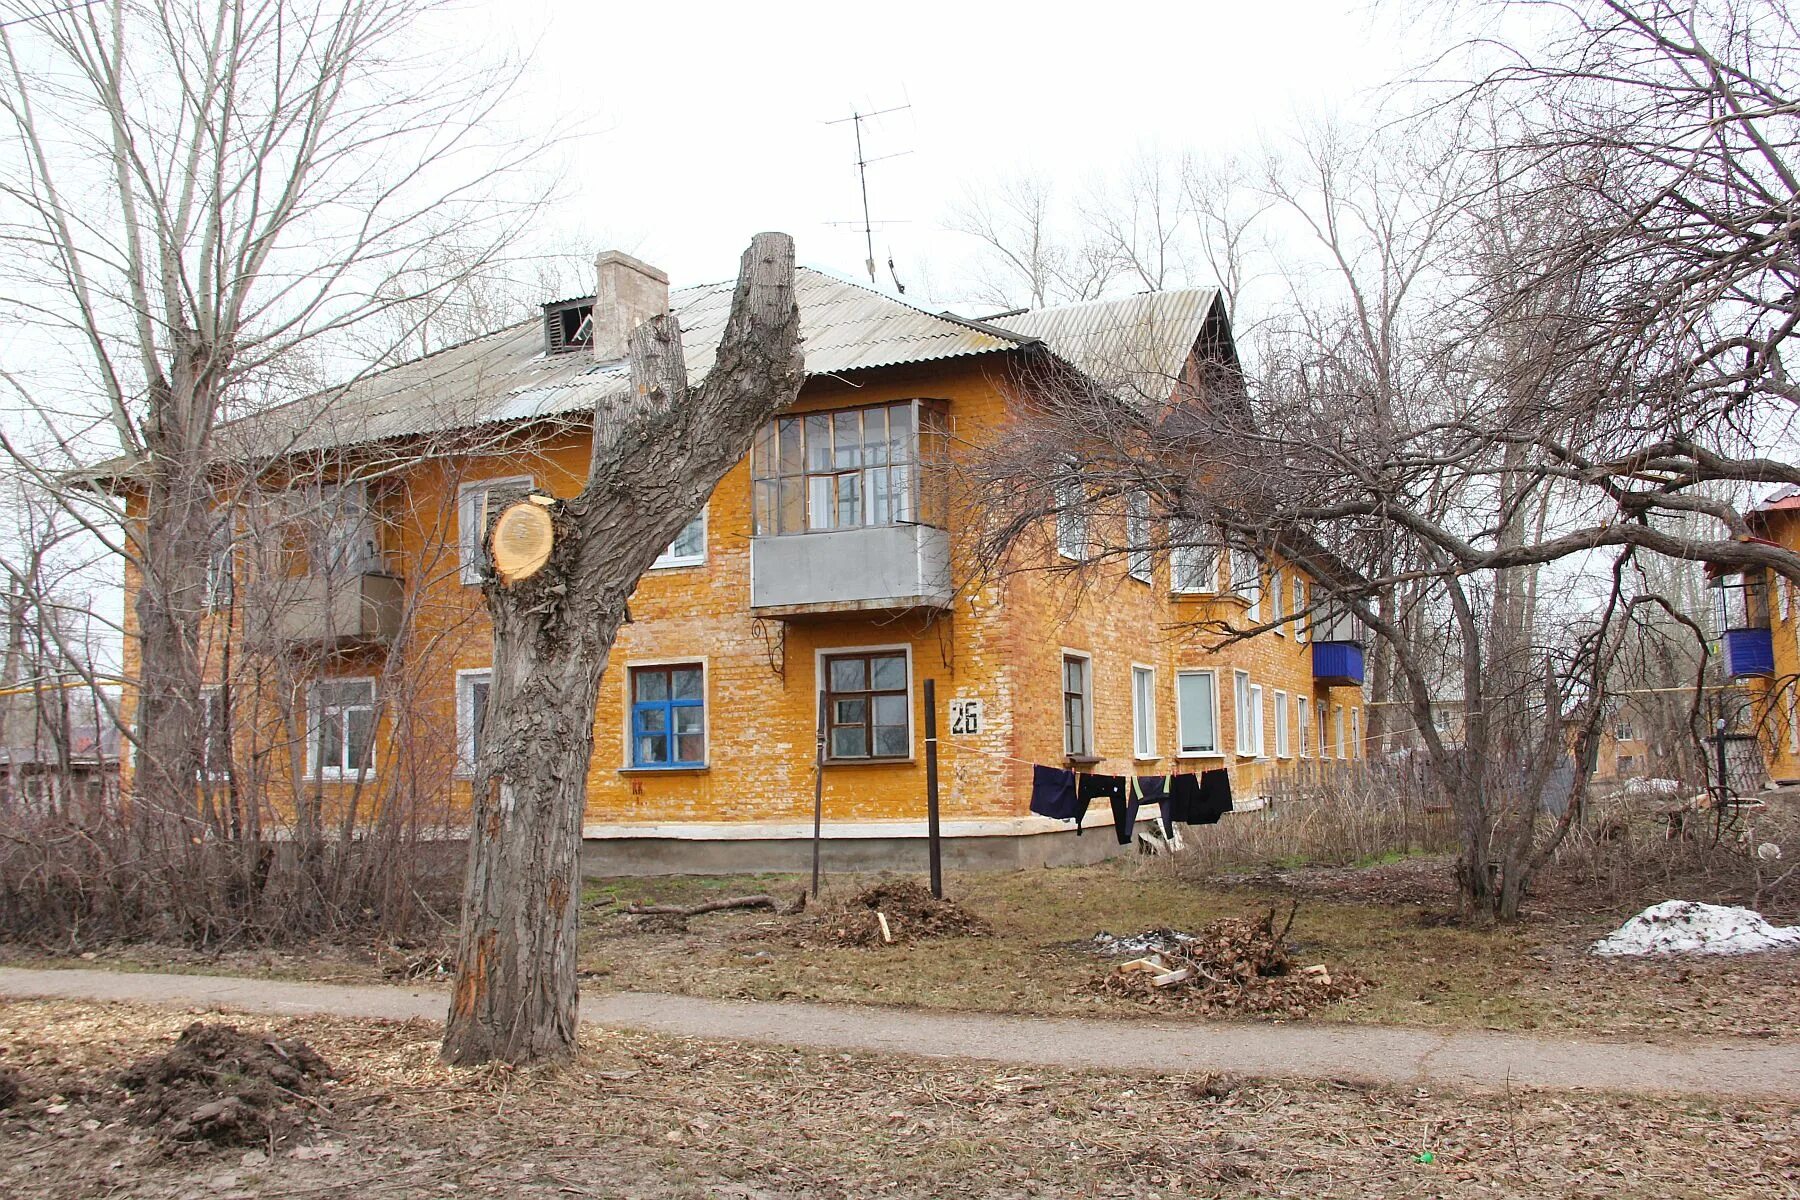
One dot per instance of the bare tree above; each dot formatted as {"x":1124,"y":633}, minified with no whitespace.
{"x":195,"y":198}
{"x":658,"y":452}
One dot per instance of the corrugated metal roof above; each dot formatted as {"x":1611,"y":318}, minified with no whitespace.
{"x":505,"y":376}
{"x":1135,"y":346}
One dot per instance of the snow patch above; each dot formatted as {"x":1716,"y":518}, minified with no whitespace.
{"x":1688,"y":927}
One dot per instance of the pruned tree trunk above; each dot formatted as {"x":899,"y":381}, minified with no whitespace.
{"x":658,"y":453}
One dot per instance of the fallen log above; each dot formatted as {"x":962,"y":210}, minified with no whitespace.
{"x":694,"y":910}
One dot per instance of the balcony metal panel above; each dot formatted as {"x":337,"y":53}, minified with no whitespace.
{"x":1338,"y":664}
{"x":337,"y":610}
{"x":1749,"y":652}
{"x":868,"y":569}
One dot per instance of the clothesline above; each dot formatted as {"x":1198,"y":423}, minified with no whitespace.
{"x":1026,"y":762}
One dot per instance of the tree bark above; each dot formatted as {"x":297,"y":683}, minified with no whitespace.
{"x":658,"y":452}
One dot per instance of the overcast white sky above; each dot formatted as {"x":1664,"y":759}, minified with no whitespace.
{"x":701,"y":123}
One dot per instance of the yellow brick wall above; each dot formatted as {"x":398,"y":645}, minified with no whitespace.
{"x":1002,"y":643}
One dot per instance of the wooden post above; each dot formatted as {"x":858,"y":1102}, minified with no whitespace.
{"x":818,"y":791}
{"x":933,"y":834}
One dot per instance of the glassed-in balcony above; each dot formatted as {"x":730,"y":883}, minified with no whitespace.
{"x":1337,"y":648}
{"x":848,"y":512}
{"x":1741,"y":614}
{"x":334,"y":610}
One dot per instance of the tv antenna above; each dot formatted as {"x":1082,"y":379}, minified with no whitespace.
{"x":862,"y":175}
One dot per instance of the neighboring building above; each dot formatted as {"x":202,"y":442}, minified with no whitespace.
{"x":1757,"y":619}
{"x":824,"y":571}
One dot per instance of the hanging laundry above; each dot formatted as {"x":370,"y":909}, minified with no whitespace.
{"x":1154,"y":789}
{"x":1215,"y":795}
{"x":1054,"y":795}
{"x":1115,"y":791}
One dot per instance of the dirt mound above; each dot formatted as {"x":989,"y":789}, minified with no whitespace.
{"x":1233,"y":967}
{"x":220,"y":1085}
{"x":912,"y":912}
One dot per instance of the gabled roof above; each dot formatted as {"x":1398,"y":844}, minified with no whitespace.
{"x":1133,"y":347}
{"x":506,"y":377}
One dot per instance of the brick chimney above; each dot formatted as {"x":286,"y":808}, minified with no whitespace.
{"x":626,"y":294}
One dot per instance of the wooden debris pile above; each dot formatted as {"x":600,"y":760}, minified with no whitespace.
{"x":899,"y":911}
{"x":1233,"y":967}
{"x":220,"y":1085}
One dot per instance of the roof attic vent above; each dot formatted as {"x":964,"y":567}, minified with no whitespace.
{"x":568,"y":325}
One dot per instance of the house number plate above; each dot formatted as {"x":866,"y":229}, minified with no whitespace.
{"x":965,"y":716}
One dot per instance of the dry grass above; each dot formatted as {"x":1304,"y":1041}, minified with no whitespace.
{"x":661,"y":1118}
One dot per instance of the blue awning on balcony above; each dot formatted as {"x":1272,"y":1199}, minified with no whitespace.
{"x":1749,"y":652}
{"x":1338,"y":664}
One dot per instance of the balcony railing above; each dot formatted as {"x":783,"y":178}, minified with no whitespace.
{"x":334,"y":610}
{"x":1337,"y":664}
{"x":1749,"y":652}
{"x":866,"y":569}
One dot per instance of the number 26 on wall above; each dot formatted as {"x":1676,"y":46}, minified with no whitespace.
{"x":965,"y":716}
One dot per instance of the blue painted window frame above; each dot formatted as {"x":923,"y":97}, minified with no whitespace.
{"x":665,"y":708}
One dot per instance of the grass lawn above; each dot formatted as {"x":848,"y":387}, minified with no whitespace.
{"x":1426,"y":971}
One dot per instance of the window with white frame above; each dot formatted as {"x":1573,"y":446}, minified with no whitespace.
{"x":1193,"y":559}
{"x":215,"y":728}
{"x":1299,"y":609}
{"x":1078,"y":706}
{"x":1143,"y":712}
{"x":1356,"y":733}
{"x":1137,"y":536}
{"x":847,"y":469}
{"x":1793,"y":716}
{"x":1197,"y":712}
{"x":342,"y":737}
{"x":1324,"y":730}
{"x":1248,"y":698}
{"x":344,"y":534}
{"x":220,"y":582}
{"x":1246,"y":582}
{"x":1343,"y":747}
{"x":476,"y":504}
{"x":472,"y":689}
{"x":689,"y":547}
{"x":1624,"y":731}
{"x":1071,"y":514}
{"x":1283,"y":746}
{"x":1277,"y":599}
{"x":1303,"y":726}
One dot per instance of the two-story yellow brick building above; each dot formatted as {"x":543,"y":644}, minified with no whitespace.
{"x":824,"y":579}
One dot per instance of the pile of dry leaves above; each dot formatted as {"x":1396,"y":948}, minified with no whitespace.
{"x":1232,"y":966}
{"x":220,"y":1085}
{"x":898,"y":911}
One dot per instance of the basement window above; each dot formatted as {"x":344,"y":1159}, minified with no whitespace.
{"x":568,"y":325}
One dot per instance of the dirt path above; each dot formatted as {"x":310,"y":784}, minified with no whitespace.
{"x":1463,"y":1059}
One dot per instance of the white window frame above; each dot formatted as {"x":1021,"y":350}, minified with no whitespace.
{"x":1283,"y":743}
{"x":465,"y":716}
{"x":820,"y":654}
{"x":1324,"y":730}
{"x":1188,"y":561}
{"x":1139,"y":561}
{"x":468,"y":529}
{"x":1143,"y":711}
{"x":1247,"y":586}
{"x":1072,"y":540}
{"x":221,"y":564}
{"x":1181,"y":749}
{"x":669,"y":559}
{"x":1277,"y":598}
{"x":1343,"y":748}
{"x":1356,"y":733}
{"x":1087,"y":703}
{"x":313,"y":769}
{"x":1247,"y":700}
{"x":1793,"y":716}
{"x":1302,"y":723}
{"x":212,"y":697}
{"x":1299,"y":610}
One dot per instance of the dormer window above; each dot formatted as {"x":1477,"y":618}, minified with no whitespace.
{"x":568,"y":325}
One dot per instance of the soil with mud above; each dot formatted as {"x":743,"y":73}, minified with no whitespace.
{"x":221,"y":1085}
{"x":912,"y":913}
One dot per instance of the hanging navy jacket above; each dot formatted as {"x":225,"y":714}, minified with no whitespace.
{"x":1054,"y":795}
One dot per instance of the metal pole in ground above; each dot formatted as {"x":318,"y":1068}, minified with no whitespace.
{"x":818,"y":791}
{"x":933,"y":832}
